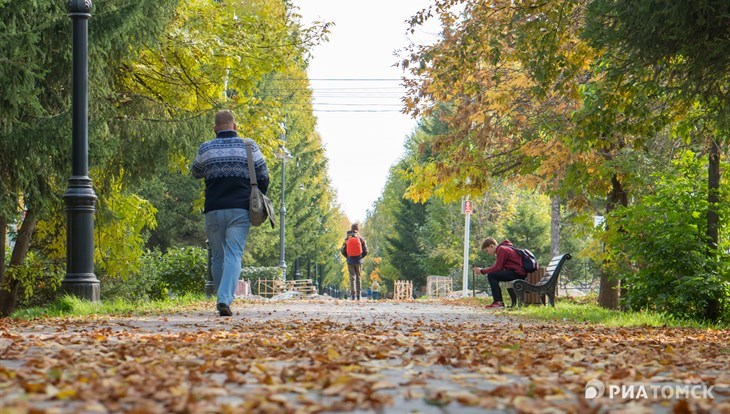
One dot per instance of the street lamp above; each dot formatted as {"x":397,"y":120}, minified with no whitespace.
{"x":285,"y":156}
{"x":79,"y":198}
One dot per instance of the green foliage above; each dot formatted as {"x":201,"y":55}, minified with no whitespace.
{"x":530,"y":226}
{"x":687,"y":38}
{"x":179,"y":271}
{"x":184,"y":269}
{"x":403,"y":245}
{"x":658,"y":247}
{"x":39,"y":278}
{"x":174,"y":195}
{"x":143,"y":285}
{"x":120,"y":220}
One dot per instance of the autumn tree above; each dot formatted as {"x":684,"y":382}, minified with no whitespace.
{"x":684,"y":46}
{"x":154,"y":81}
{"x":507,"y":79}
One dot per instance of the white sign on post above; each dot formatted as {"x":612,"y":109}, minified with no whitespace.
{"x":466,"y":209}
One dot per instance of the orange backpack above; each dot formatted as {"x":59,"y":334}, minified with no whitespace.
{"x":354,"y":246}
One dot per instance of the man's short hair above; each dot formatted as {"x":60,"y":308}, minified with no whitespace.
{"x":489,"y":241}
{"x":224,"y":117}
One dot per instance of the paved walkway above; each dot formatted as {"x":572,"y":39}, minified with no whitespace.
{"x":332,"y":356}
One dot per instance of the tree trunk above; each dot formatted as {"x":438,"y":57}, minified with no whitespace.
{"x":555,"y":227}
{"x":3,"y":238}
{"x":713,"y":309}
{"x":608,"y":292}
{"x":9,"y":293}
{"x":713,"y":196}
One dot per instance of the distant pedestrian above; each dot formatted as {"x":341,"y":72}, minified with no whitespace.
{"x":507,"y":267}
{"x":375,"y":286}
{"x":355,"y":248}
{"x":223,"y":163}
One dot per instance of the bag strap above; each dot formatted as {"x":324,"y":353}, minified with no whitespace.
{"x":251,"y":170}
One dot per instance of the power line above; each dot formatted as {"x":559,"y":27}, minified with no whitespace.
{"x":351,"y":79}
{"x":356,"y":110}
{"x":355,"y":104}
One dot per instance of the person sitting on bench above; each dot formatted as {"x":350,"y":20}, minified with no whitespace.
{"x":508,"y":267}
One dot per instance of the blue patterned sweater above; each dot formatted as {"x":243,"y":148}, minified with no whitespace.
{"x":223,"y":163}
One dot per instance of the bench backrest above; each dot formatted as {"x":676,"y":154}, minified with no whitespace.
{"x":553,"y":269}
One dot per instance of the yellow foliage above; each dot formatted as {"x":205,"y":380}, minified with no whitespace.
{"x":119,"y":222}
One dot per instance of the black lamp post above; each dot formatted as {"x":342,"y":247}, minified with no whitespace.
{"x":285,"y":156}
{"x":297,"y":273}
{"x":79,"y":198}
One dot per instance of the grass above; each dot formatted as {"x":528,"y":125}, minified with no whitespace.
{"x":566,"y":311}
{"x":581,"y":312}
{"x":73,"y":306}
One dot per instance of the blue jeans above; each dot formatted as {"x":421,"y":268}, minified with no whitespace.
{"x":227,"y":233}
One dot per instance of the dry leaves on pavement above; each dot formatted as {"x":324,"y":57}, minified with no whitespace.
{"x":99,"y":365}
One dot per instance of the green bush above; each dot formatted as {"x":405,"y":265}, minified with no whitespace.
{"x":145,"y":284}
{"x":658,"y":248}
{"x":184,"y":269}
{"x":39,"y":279}
{"x":179,"y":271}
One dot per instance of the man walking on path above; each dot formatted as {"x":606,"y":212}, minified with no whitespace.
{"x":355,"y":248}
{"x":223,"y":163}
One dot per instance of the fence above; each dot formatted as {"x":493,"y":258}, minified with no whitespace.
{"x":272,"y":287}
{"x":439,"y":286}
{"x":403,"y":290}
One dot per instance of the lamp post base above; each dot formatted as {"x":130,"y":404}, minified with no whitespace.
{"x":209,"y":289}
{"x":89,"y":290}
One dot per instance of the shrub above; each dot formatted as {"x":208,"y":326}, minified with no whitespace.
{"x":658,"y":247}
{"x":39,"y":278}
{"x":179,"y":271}
{"x":184,"y":269}
{"x":145,"y":284}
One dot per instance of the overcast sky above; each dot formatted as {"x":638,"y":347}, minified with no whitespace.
{"x":357,"y":93}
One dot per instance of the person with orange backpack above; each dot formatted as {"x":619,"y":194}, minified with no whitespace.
{"x":355,"y":248}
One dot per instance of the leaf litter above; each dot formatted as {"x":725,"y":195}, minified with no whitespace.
{"x":291,"y":365}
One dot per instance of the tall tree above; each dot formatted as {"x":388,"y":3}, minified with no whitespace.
{"x":685,"y":46}
{"x":157,"y":69}
{"x":36,"y":41}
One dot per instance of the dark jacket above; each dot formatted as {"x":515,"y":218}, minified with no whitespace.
{"x":354,"y":259}
{"x":507,"y":259}
{"x":223,"y":163}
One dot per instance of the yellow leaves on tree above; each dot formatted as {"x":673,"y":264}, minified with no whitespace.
{"x":504,"y":81}
{"x":120,"y":220}
{"x":213,"y":53}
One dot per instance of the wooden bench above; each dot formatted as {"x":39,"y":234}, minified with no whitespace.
{"x":546,"y":286}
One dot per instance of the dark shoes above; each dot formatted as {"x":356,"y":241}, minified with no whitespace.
{"x":496,"y":305}
{"x":224,"y":310}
